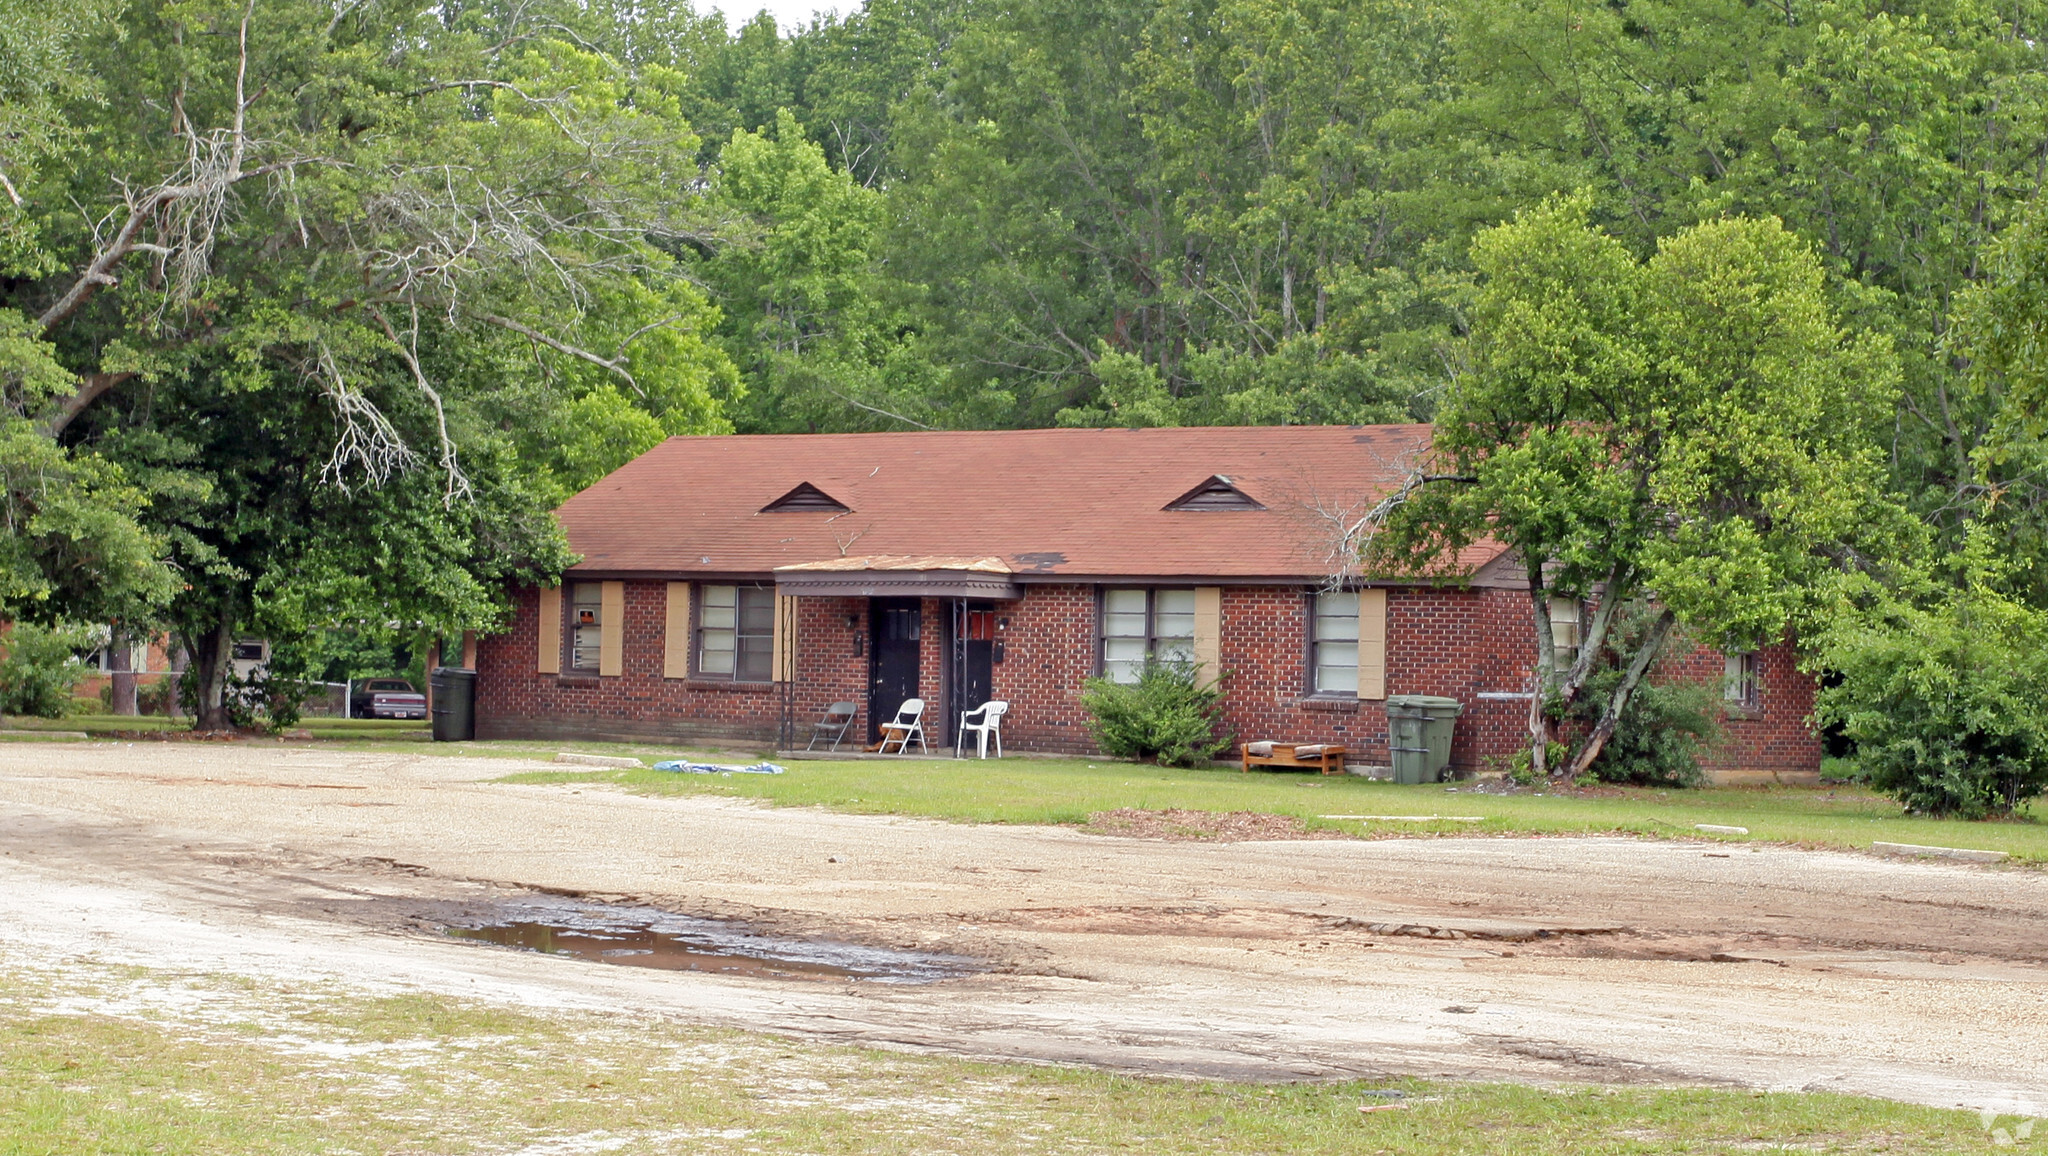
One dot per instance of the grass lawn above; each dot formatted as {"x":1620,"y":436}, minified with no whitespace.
{"x":106,"y":1060}
{"x":1070,"y":790}
{"x":358,"y":730}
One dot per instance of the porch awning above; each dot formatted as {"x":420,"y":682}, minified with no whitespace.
{"x":899,"y":575}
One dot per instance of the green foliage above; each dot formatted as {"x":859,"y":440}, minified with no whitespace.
{"x":1696,"y":428}
{"x":41,"y":667}
{"x":401,"y":283}
{"x":1521,"y":764}
{"x":1947,"y":701}
{"x":812,"y":319}
{"x":1661,"y":734}
{"x":1168,"y":715}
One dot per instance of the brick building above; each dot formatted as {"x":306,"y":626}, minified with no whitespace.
{"x":732,"y":588}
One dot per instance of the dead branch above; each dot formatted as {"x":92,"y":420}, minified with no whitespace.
{"x":367,"y":439}
{"x":616,"y":364}
{"x":189,"y":209}
{"x":456,"y":487}
{"x":876,"y":411}
{"x":91,"y":387}
{"x":1355,"y":532}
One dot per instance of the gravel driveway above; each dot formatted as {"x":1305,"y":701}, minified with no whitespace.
{"x":1583,"y":959}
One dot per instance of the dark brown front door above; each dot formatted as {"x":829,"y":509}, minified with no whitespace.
{"x":893,"y":660}
{"x":973,"y":667}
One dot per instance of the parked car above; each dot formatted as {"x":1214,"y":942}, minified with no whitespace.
{"x":386,"y":698}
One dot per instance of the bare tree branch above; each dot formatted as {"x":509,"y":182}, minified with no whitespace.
{"x":456,"y":487}
{"x":1354,"y":532}
{"x":91,"y":386}
{"x":367,"y":438}
{"x":617,"y":364}
{"x":878,"y":412}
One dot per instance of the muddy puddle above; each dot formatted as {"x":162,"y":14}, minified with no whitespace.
{"x":645,"y":937}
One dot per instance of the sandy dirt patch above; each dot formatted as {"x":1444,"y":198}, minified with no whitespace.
{"x":1217,"y":826}
{"x":1599,"y":959}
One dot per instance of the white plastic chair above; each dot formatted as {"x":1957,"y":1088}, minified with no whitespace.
{"x":989,"y":723}
{"x":908,"y":724}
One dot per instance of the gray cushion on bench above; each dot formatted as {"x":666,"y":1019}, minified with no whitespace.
{"x":1310,"y":751}
{"x":1259,"y":750}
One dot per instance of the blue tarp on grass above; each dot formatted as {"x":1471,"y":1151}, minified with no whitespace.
{"x":684,"y":768}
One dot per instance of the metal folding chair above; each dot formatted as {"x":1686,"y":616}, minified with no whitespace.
{"x":908,"y":724}
{"x":835,"y":723}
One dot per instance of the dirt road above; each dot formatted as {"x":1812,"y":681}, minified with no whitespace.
{"x":1535,"y":959}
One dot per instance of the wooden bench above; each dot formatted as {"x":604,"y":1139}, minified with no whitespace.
{"x":1326,"y":757}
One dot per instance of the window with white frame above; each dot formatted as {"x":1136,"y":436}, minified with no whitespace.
{"x":1334,"y":643}
{"x":1565,"y":617}
{"x":1744,"y":683}
{"x":586,"y":625}
{"x":1137,"y":624}
{"x":736,"y":633}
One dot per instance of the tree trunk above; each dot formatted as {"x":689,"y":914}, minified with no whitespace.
{"x":1615,"y":593}
{"x":121,"y":673}
{"x":213,"y":655}
{"x":1653,"y":642}
{"x":1542,"y":675}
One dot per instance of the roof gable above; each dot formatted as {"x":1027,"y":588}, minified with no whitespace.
{"x":1217,"y":493}
{"x":806,"y":499}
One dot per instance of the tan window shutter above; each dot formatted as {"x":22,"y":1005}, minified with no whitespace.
{"x":611,"y":629}
{"x":675,"y":648}
{"x":1372,"y":643}
{"x":784,"y":669}
{"x":550,"y":630}
{"x":1209,"y":632}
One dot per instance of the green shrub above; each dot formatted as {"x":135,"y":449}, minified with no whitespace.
{"x":1661,"y":734}
{"x":1168,"y":715}
{"x":152,"y":696}
{"x":42,"y":668}
{"x":1948,"y":706}
{"x":157,"y":696}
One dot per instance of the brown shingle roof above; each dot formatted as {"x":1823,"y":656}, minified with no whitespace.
{"x":1051,"y":503}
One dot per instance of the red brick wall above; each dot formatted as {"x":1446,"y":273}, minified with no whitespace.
{"x":1775,"y":738}
{"x":1472,"y":645}
{"x":515,"y":701}
{"x":1455,"y":643}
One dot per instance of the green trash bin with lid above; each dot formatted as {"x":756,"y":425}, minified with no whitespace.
{"x":1419,"y":735}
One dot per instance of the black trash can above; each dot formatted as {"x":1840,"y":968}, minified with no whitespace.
{"x":454,"y":704}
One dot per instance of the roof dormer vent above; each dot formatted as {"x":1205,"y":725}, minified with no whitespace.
{"x":806,"y":499}
{"x":1217,"y":493}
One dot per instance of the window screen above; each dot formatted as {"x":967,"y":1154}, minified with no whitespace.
{"x":736,"y":633}
{"x":1124,"y":636}
{"x":1336,"y":643}
{"x":586,"y":625}
{"x":1744,"y":685}
{"x":1564,"y":630}
{"x":1138,"y":623}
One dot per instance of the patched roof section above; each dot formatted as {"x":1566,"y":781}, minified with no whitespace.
{"x":1077,"y":504}
{"x":902,"y":562}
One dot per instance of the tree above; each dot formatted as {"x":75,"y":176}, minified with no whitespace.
{"x":1944,"y":689}
{"x":811,"y":317}
{"x":1897,"y":139}
{"x":72,"y":546}
{"x":354,"y":294}
{"x":1694,"y":431}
